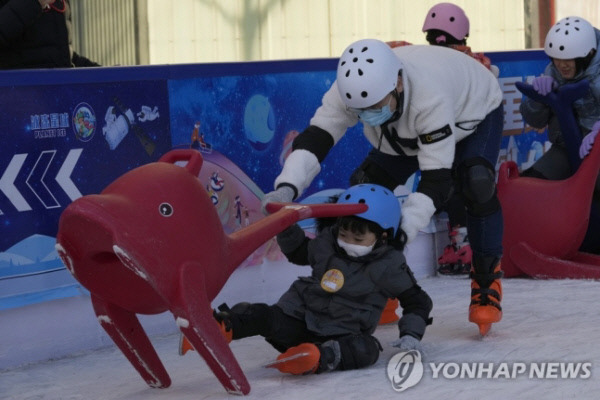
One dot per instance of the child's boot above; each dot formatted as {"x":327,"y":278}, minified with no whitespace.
{"x":389,"y":312}
{"x":298,"y":360}
{"x":307,"y":358}
{"x":486,"y":292}
{"x":223,"y":319}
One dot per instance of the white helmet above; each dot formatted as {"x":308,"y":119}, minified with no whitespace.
{"x":367,"y":71}
{"x":569,"y":38}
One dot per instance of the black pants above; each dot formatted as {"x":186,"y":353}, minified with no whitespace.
{"x":283,"y":331}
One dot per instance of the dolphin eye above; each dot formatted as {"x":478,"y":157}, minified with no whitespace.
{"x":165,"y":209}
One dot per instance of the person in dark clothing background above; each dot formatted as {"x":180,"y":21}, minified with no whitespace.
{"x":37,"y":34}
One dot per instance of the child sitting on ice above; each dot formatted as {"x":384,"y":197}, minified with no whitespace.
{"x":325,"y":321}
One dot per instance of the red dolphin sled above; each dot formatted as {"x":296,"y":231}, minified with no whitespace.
{"x":546,"y":221}
{"x":153,"y":242}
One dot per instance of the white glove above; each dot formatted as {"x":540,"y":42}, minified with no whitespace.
{"x":408,"y":342}
{"x":283,"y":194}
{"x":417,"y":211}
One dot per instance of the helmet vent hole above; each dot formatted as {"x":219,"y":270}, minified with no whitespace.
{"x":348,"y":96}
{"x":364,"y":94}
{"x":362,"y":201}
{"x":364,"y":49}
{"x":451,"y":19}
{"x":360,"y":72}
{"x":355,"y":59}
{"x":343,"y":63}
{"x":347,"y":197}
{"x":561,"y":48}
{"x":566,"y":32}
{"x":351,"y":51}
{"x":370,"y":60}
{"x":433,"y":15}
{"x":347,"y":73}
{"x":576,"y":28}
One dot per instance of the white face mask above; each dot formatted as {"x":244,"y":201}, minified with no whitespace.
{"x":355,"y":250}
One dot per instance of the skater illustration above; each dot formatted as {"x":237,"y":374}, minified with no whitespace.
{"x":198,"y":141}
{"x":214,"y":197}
{"x":237,"y":204}
{"x":246,"y":216}
{"x":216,"y":182}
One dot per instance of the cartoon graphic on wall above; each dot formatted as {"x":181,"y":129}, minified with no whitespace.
{"x":84,"y":122}
{"x":237,"y":201}
{"x":252,"y":120}
{"x":198,"y":140}
{"x":116,"y":126}
{"x":259,"y":122}
{"x":288,"y":140}
{"x":54,"y":152}
{"x":216,"y":182}
{"x":214,"y":197}
{"x":148,"y":114}
{"x":119,"y":120}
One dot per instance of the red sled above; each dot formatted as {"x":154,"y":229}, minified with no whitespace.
{"x":152,"y":242}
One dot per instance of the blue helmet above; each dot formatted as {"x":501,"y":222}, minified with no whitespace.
{"x":384,"y":207}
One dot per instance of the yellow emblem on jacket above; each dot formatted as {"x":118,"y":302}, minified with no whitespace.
{"x":332,"y":280}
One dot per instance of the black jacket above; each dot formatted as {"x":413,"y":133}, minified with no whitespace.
{"x":346,"y":295}
{"x":34,"y":38}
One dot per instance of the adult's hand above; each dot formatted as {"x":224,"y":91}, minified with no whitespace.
{"x":588,"y":140}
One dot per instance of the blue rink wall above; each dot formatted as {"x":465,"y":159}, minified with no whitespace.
{"x":69,"y":133}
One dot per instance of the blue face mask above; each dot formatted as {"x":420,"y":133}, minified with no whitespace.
{"x":376,"y":117}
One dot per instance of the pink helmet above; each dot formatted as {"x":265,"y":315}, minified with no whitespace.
{"x":449,"y":18}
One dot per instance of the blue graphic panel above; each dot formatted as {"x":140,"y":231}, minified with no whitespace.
{"x":253,"y":119}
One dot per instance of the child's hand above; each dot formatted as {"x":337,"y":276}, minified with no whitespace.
{"x":408,"y":342}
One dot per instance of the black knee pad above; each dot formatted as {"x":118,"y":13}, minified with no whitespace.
{"x":358,"y":351}
{"x":477,"y":181}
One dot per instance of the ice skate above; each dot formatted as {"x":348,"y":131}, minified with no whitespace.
{"x":389,"y":315}
{"x":298,"y":360}
{"x":185,"y":345}
{"x":486,"y":295}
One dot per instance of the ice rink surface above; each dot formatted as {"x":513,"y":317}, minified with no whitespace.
{"x":547,"y":324}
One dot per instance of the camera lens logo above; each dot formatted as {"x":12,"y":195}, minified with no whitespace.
{"x":405,"y":370}
{"x":84,"y":122}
